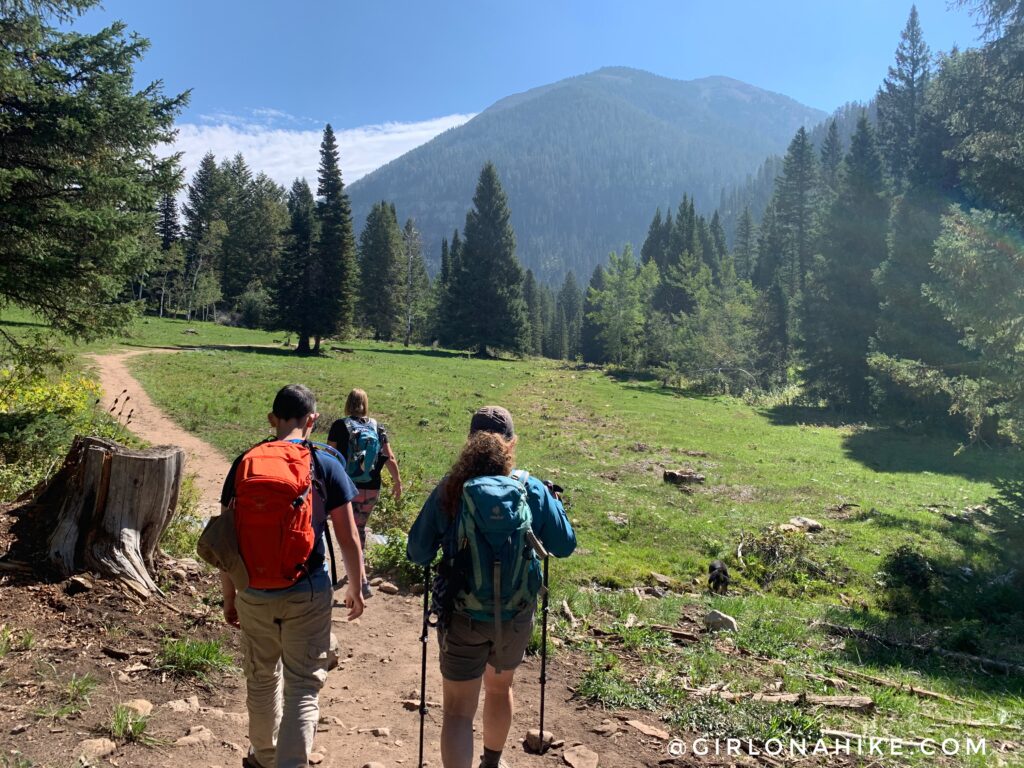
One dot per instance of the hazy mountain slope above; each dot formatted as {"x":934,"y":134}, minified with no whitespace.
{"x":585,"y":161}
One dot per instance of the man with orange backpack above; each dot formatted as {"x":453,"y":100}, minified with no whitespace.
{"x":281,"y":493}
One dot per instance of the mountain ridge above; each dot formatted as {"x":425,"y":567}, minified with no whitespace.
{"x":587,"y":159}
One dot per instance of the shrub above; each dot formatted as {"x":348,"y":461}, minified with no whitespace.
{"x":39,"y":416}
{"x":389,"y":559}
{"x":786,"y":560}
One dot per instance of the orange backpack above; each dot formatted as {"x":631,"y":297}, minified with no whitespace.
{"x":274,"y":513}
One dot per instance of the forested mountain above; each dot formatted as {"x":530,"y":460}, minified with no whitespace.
{"x":585,"y":160}
{"x":756,"y":191}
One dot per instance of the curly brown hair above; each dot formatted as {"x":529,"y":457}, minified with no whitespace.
{"x":485,"y":453}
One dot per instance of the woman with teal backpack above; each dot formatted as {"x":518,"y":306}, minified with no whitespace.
{"x":483,"y":516}
{"x":367,"y":450}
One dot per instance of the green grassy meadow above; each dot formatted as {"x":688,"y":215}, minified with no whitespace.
{"x":607,"y":441}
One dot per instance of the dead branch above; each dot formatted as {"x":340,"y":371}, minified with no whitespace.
{"x":895,"y":685}
{"x":999,"y":665}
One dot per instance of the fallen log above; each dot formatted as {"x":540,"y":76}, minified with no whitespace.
{"x":998,"y":665}
{"x":972,"y":723}
{"x":676,"y":633}
{"x":924,"y":693}
{"x":859,"y":703}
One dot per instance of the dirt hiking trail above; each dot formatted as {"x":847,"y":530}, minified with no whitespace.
{"x":152,"y":425}
{"x":379,"y":670}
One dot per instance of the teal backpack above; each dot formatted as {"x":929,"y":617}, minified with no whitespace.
{"x":501,"y":571}
{"x":363,"y":449}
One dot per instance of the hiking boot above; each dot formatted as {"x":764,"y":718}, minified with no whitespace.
{"x":250,"y":762}
{"x":367,"y":592}
{"x":501,"y":764}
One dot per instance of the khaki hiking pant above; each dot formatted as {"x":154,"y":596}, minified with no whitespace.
{"x":285,"y":641}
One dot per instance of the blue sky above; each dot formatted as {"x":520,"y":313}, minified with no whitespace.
{"x":265,"y":75}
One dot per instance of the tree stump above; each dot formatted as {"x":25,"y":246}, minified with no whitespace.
{"x":112,"y":505}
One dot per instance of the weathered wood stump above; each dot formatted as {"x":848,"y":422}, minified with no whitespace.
{"x":112,"y":505}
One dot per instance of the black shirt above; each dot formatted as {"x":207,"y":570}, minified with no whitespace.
{"x":339,"y":435}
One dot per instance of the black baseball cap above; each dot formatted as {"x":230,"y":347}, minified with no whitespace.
{"x":493,"y":418}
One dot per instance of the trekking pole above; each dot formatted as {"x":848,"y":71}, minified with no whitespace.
{"x":543,"y":554}
{"x":543,"y":652}
{"x":423,"y":668}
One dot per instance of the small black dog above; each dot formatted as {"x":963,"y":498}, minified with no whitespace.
{"x":718,"y":577}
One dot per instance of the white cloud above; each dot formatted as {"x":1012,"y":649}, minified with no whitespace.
{"x":285,"y":154}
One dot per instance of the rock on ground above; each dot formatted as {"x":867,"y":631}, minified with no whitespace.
{"x":648,"y":730}
{"x":533,"y":742}
{"x":580,"y":757}
{"x":806,"y":524}
{"x":95,"y":749}
{"x":197,"y":734}
{"x":141,"y":707}
{"x":191,"y":704}
{"x":607,"y":728}
{"x":661,"y":580}
{"x":716,"y":620}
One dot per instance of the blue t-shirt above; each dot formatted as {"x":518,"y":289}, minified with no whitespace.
{"x":550,"y":524}
{"x":333,"y":489}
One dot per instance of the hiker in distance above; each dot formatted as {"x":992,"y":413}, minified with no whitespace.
{"x":285,"y":612}
{"x":480,"y":514}
{"x":367,"y":450}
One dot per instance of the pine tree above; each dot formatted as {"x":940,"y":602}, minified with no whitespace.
{"x":491,"y":280}
{"x":795,"y":209}
{"x":978,"y":283}
{"x":590,"y":343}
{"x":239,"y":214}
{"x":774,"y":338}
{"x":445,"y":275}
{"x":336,"y":250}
{"x":415,"y":285}
{"x":900,"y":100}
{"x":167,"y":268}
{"x":204,"y":199}
{"x":451,"y":309}
{"x":656,"y":244}
{"x":205,"y":229}
{"x":547,"y":313}
{"x":718,"y":248}
{"x":843,"y":303}
{"x":267,"y":225}
{"x":534,"y":312}
{"x":168,"y":226}
{"x":296,"y":283}
{"x":570,"y":299}
{"x":380,"y":259}
{"x":914,"y":338}
{"x":80,"y":174}
{"x":744,"y":253}
{"x":831,"y":161}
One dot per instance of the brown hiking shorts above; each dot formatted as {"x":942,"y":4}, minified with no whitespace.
{"x":467,"y":645}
